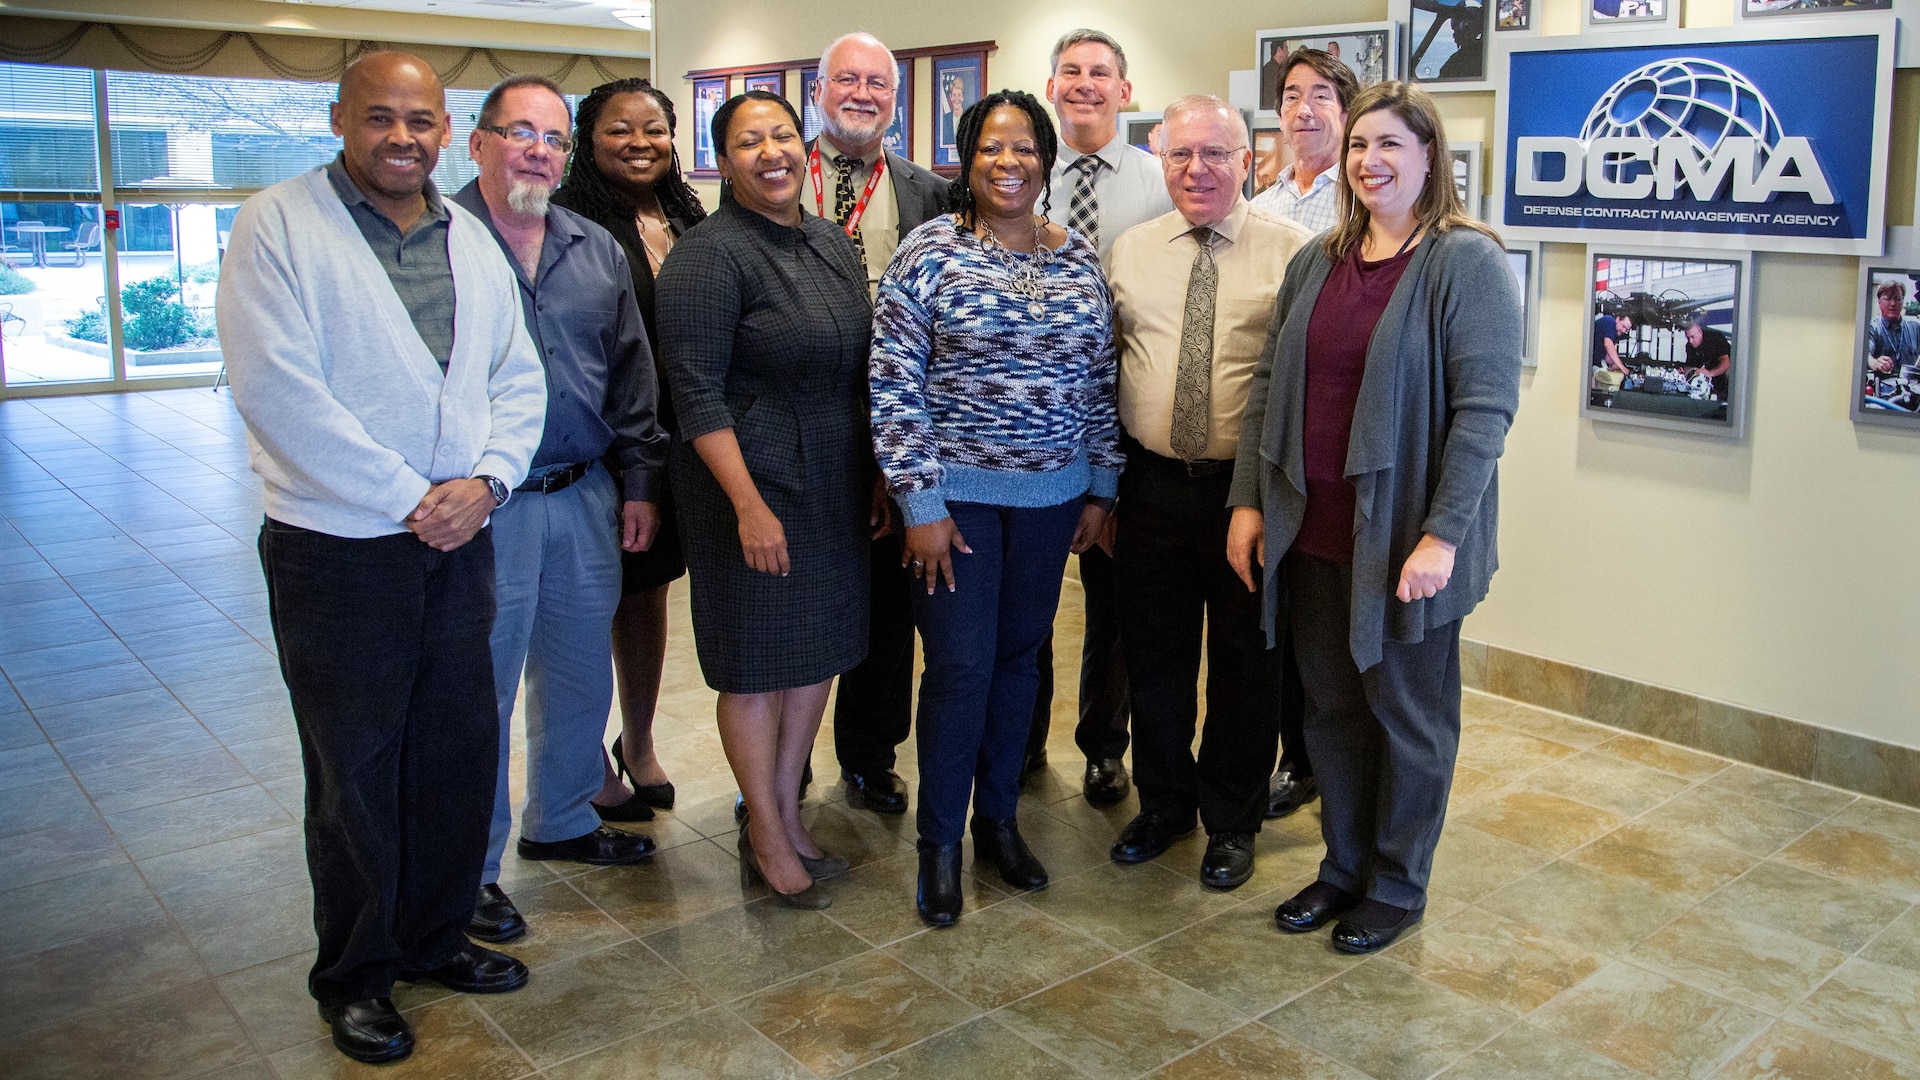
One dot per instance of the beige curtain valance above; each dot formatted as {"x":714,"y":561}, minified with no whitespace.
{"x":179,"y":51}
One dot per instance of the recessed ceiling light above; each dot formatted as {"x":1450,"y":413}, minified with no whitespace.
{"x":638,"y":17}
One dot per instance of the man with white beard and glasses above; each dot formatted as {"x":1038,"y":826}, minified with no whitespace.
{"x":557,"y":540}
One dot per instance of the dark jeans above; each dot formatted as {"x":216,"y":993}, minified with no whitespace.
{"x":1102,"y":731}
{"x":976,"y":695}
{"x":1383,"y":740}
{"x":1176,"y":587}
{"x":873,"y":708}
{"x":383,"y":644}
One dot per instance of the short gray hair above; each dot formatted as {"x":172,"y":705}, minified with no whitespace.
{"x":490,"y":107}
{"x":893,"y":65}
{"x":1207,"y":103}
{"x":1080,"y":37}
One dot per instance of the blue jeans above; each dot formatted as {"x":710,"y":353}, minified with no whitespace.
{"x":557,"y":574}
{"x":979,"y":641}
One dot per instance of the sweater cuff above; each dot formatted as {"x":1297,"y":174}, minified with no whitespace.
{"x":923,"y":507}
{"x":1443,"y":526}
{"x":1104,"y":483}
{"x":500,"y":468}
{"x":403,"y":494}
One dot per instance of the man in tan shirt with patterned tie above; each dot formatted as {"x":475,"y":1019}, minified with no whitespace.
{"x":1193,"y":292}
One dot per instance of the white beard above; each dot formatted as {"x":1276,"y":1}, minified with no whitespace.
{"x":844,"y":136}
{"x":526,"y":197}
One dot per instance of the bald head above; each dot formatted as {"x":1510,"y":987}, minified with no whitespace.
{"x":392,"y":121}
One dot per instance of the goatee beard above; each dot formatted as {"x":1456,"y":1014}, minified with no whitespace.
{"x":525,"y":197}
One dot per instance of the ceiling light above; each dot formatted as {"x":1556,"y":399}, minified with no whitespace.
{"x":640,"y":18}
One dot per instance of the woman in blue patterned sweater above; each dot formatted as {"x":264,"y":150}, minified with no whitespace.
{"x":994,"y":421}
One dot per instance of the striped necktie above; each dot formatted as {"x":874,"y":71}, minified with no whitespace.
{"x":1193,"y":379}
{"x":1083,"y":214}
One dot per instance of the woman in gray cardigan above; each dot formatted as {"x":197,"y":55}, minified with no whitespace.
{"x":1366,"y":469}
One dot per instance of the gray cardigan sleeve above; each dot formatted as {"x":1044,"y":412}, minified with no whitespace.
{"x":1481,"y":314}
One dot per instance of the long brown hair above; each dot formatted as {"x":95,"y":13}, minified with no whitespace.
{"x":1438,"y":208}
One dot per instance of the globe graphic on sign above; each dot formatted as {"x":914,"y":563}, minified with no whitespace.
{"x":1702,"y":100}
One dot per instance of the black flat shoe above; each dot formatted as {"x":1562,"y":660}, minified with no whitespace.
{"x":1106,"y":781}
{"x":372,"y":1030}
{"x":634,"y":809}
{"x":495,"y":919}
{"x":999,"y":843}
{"x":1313,"y":907}
{"x":938,"y":894}
{"x":658,"y":796}
{"x":1228,"y":862}
{"x":1146,"y":837}
{"x":601,"y":847}
{"x":881,"y":790}
{"x":475,"y":970}
{"x":1372,"y":926}
{"x":1289,"y":791}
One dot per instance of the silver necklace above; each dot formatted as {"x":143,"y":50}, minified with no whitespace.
{"x":1025,"y":278}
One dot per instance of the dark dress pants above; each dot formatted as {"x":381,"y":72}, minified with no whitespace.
{"x":383,"y":645}
{"x":1383,"y":740}
{"x":1176,"y":587}
{"x":873,"y":708}
{"x":976,"y":695}
{"x":1102,"y":731}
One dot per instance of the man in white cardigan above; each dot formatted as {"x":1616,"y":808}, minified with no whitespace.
{"x":388,"y":422}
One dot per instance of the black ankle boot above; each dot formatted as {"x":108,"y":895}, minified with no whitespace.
{"x":999,"y":843}
{"x":939,"y":894}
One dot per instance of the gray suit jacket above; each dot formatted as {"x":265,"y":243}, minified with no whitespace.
{"x":920,"y":194}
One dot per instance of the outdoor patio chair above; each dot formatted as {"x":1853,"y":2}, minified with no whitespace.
{"x":87,"y":239}
{"x":11,"y":325}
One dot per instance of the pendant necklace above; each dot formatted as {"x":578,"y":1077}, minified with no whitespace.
{"x":1026,"y":279}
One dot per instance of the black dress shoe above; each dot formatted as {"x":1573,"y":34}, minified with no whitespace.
{"x":1034,"y":763}
{"x":881,"y":790}
{"x":475,"y":970}
{"x":372,"y":1030}
{"x":658,"y":796}
{"x":1372,"y":926}
{"x":495,"y":918}
{"x":1228,"y":862}
{"x":601,"y":847}
{"x":938,"y":894}
{"x":1106,"y":781}
{"x":1290,"y":791}
{"x":1147,"y":836}
{"x":1313,"y":907}
{"x":634,"y":808}
{"x":999,"y":843}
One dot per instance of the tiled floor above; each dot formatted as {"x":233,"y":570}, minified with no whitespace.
{"x":1604,"y":906}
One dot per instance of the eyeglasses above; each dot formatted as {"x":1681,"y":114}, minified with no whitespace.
{"x":524,"y":137}
{"x":1214,"y":156}
{"x":879,"y":84}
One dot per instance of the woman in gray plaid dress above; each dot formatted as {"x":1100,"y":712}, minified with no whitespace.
{"x":764,"y":323}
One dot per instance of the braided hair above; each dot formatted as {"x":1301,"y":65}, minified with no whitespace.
{"x":598,"y":199}
{"x":960,"y":191}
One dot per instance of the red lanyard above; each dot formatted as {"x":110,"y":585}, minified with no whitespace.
{"x":820,"y":192}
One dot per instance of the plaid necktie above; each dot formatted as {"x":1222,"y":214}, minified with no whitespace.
{"x":843,"y":201}
{"x":1083,"y":214}
{"x":1193,"y":381}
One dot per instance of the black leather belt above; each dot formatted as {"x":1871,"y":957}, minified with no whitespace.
{"x":1195,"y":469}
{"x":557,"y":480}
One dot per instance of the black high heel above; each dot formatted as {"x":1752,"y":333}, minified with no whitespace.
{"x":658,"y":796}
{"x":811,"y":898}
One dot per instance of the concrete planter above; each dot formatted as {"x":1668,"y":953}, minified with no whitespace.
{"x":136,"y":358}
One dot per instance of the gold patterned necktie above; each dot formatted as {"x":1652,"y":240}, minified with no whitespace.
{"x":843,"y":201}
{"x":1193,"y":381}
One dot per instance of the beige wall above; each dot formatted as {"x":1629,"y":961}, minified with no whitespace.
{"x":1777,"y":573}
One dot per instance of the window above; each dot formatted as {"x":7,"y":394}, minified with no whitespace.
{"x":47,"y":129}
{"x":199,"y":133}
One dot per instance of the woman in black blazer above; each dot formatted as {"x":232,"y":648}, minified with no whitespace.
{"x":625,"y":177}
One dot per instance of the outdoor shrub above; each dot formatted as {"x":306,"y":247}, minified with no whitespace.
{"x":88,"y":326}
{"x":13,"y":282}
{"x":154,"y":319}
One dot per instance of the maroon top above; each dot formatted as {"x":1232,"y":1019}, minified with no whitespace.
{"x":1349,"y":306}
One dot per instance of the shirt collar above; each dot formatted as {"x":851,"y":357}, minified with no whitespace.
{"x":830,"y":150}
{"x":1322,"y":180}
{"x":1109,"y":154}
{"x":1227,"y":228}
{"x":351,"y":194}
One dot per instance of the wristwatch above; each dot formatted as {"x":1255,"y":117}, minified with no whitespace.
{"x":498,"y":488}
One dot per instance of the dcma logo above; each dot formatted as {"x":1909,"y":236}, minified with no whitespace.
{"x":1692,"y":123}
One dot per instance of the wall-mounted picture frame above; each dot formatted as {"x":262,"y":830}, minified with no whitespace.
{"x":1370,"y":49}
{"x":958,"y":82}
{"x":1270,"y":154}
{"x":1513,"y":16}
{"x":1447,"y":45}
{"x":1523,"y":259}
{"x":773,"y":82}
{"x":1631,"y":14}
{"x":1886,"y":342}
{"x":1466,"y":175}
{"x":1670,"y":339}
{"x":708,"y":96}
{"x":899,"y":136}
{"x":1142,"y":130}
{"x":810,"y":119}
{"x":1764,"y":9}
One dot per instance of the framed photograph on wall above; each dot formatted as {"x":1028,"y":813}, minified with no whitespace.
{"x":1370,"y":49}
{"x":1669,"y":342}
{"x":708,"y":96}
{"x":810,"y":122}
{"x":1270,"y":155}
{"x":1750,"y":9}
{"x":1466,"y":175}
{"x":1513,"y":16}
{"x":957,"y":83}
{"x":1886,"y":341}
{"x":1447,"y":44}
{"x":1630,"y":14}
{"x":1523,"y":258}
{"x":773,"y":82}
{"x":1142,"y":130}
{"x":899,"y":136}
